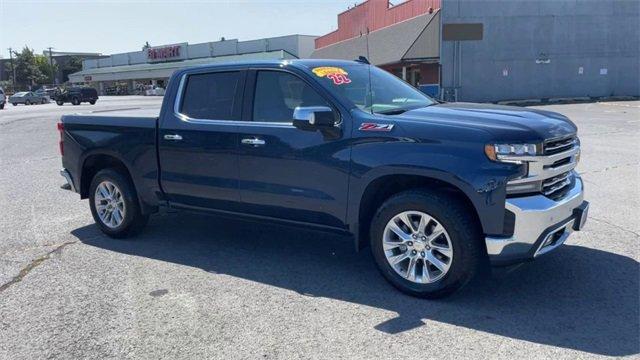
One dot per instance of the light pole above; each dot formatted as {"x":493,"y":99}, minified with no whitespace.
{"x":13,"y":69}
{"x":53,"y":75}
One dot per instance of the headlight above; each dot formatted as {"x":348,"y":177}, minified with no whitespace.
{"x":510,"y":152}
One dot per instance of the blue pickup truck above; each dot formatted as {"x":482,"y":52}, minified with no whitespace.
{"x":438,"y":190}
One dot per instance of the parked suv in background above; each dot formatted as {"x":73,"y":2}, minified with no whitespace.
{"x":2,"y":99}
{"x":77,"y":95}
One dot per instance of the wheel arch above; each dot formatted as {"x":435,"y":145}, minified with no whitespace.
{"x":385,"y":186}
{"x":93,"y":163}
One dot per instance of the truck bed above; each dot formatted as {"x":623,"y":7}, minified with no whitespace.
{"x":126,"y":135}
{"x":150,"y":114}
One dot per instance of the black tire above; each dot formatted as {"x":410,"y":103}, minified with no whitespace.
{"x":2,"y":106}
{"x":59,"y":102}
{"x":459,"y":222}
{"x":92,"y":102}
{"x":133,"y":221}
{"x":75,"y":101}
{"x":44,"y":101}
{"x":27,"y":102}
{"x":14,"y":104}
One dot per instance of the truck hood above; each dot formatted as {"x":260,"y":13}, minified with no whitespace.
{"x":506,"y":123}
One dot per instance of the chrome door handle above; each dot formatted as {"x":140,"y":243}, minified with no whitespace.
{"x":172,"y":137}
{"x":253,"y":141}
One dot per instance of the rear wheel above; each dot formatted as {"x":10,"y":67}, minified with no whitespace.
{"x":1,"y":106}
{"x":114,"y":204}
{"x":44,"y":101}
{"x":75,"y":101}
{"x":14,"y":104}
{"x":59,"y":102}
{"x":426,"y":244}
{"x":92,"y":102}
{"x":27,"y":102}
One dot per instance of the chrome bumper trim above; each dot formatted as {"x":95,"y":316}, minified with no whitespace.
{"x":65,"y":174}
{"x":537,"y":216}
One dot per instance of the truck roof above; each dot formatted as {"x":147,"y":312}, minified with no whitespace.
{"x":300,"y":63}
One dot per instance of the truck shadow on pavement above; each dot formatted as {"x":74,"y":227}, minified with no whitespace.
{"x":576,"y":298}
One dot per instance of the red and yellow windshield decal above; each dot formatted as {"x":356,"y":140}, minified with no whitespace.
{"x":338,"y":75}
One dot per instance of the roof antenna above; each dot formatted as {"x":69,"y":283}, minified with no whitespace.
{"x":363,"y":59}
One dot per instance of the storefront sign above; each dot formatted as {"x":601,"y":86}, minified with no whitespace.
{"x":166,"y":52}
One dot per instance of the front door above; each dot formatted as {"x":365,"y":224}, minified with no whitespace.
{"x":198,"y":142}
{"x":285,"y":172}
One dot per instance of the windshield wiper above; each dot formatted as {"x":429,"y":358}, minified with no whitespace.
{"x":393,"y":111}
{"x":398,"y":111}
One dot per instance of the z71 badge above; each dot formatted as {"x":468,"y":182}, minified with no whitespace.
{"x":375,"y":127}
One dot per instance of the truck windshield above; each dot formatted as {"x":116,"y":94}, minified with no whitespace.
{"x":384,"y":94}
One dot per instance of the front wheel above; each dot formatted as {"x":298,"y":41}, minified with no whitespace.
{"x":114,"y":204}
{"x":426,"y":244}
{"x":27,"y":102}
{"x":59,"y":102}
{"x":92,"y":102}
{"x":75,"y":101}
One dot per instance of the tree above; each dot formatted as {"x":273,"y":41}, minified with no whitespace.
{"x":27,"y":71}
{"x":74,"y":64}
{"x":46,"y":67}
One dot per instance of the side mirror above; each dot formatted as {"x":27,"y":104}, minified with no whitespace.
{"x":306,"y":117}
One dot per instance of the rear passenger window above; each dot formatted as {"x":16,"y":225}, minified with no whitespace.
{"x":278,"y":93}
{"x":211,"y":96}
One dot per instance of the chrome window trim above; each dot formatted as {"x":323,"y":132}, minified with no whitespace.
{"x":187,"y":119}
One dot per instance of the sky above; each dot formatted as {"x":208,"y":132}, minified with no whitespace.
{"x":110,"y":27}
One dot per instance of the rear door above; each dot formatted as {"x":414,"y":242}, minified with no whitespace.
{"x":198,"y":141}
{"x":286,"y":172}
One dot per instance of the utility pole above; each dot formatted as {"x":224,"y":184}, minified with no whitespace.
{"x":53,"y":75}
{"x":13,"y":69}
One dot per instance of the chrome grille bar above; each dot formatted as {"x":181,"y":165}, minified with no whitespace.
{"x":551,"y":172}
{"x":556,"y":146}
{"x":556,"y":184}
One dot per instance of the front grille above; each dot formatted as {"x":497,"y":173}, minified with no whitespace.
{"x":557,"y":185}
{"x":551,"y":173}
{"x":556,"y":146}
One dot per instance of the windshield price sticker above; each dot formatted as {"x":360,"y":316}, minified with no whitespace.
{"x":338,"y":75}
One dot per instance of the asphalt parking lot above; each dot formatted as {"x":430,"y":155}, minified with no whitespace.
{"x":199,"y":287}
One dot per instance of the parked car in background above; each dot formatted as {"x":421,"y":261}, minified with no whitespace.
{"x":44,"y":93}
{"x":77,"y":95}
{"x":27,"y":98}
{"x":154,"y":91}
{"x":2,"y":99}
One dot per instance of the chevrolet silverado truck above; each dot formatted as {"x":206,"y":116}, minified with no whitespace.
{"x":438,"y":190}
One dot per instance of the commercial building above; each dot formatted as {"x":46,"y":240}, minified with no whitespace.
{"x":131,"y":72}
{"x":471,"y":50}
{"x":403,"y":39}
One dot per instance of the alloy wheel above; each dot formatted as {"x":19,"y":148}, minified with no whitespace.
{"x":417,"y":247}
{"x":109,"y":204}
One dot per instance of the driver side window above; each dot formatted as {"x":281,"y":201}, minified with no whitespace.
{"x":278,"y":93}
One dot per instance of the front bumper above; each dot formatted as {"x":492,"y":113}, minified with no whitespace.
{"x":541,"y":225}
